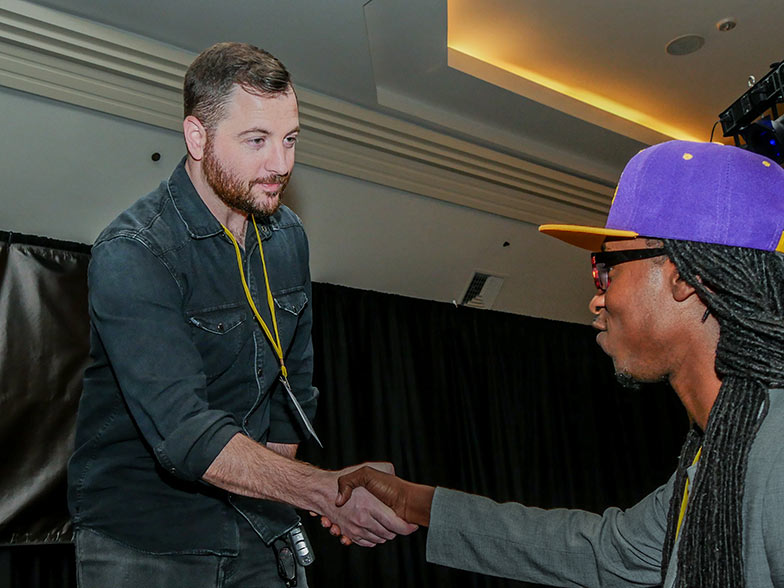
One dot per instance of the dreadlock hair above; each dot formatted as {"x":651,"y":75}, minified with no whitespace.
{"x":744,"y":289}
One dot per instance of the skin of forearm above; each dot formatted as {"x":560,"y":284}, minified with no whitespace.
{"x":248,"y":468}
{"x":285,"y":449}
{"x":419,"y":503}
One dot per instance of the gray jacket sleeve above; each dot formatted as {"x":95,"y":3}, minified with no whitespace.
{"x":554,"y":547}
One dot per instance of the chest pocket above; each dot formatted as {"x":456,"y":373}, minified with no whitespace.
{"x":219,"y":335}
{"x":289,"y":305}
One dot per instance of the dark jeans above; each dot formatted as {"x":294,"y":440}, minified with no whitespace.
{"x":105,"y":563}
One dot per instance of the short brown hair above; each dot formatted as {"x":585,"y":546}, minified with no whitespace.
{"x":211,"y":77}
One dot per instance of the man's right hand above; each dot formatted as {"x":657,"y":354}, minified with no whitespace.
{"x":361,"y":518}
{"x":248,"y":468}
{"x":411,"y":502}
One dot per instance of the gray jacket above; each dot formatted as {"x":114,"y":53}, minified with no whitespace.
{"x":618,"y":548}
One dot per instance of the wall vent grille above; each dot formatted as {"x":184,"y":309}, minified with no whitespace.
{"x":482,"y":290}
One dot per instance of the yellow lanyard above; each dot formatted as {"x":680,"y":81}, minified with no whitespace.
{"x":685,"y":499}
{"x":274,"y":341}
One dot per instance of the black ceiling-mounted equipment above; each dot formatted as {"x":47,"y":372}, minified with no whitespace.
{"x":744,"y":118}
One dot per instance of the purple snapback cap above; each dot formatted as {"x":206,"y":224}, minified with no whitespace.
{"x":690,"y":191}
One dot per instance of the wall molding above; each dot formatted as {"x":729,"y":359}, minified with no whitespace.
{"x":49,"y":53}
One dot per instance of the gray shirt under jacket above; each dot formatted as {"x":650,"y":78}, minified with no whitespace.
{"x":563,"y":547}
{"x":179,"y":366}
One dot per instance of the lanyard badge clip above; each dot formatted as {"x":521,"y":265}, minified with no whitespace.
{"x":305,"y":420}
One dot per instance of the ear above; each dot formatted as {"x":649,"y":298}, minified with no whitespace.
{"x":681,"y":290}
{"x":195,"y":137}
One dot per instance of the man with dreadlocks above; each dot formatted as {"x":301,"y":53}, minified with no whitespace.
{"x":689,"y":273}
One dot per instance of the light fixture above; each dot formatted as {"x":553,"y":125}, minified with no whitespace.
{"x":766,"y":137}
{"x":742,"y":120}
{"x":726,"y":24}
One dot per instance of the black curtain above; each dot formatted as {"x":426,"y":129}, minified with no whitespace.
{"x":511,"y":407}
{"x":43,"y":352}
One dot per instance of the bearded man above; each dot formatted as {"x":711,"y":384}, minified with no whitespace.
{"x":689,"y":274}
{"x":199,"y":390}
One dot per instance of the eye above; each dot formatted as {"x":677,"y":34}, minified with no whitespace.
{"x":291,"y":140}
{"x":255,"y":141}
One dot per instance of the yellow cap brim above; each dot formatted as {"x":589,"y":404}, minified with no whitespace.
{"x":590,"y":238}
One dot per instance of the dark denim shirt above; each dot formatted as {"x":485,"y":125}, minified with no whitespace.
{"x":180,"y":365}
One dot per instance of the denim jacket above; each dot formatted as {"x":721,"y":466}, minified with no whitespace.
{"x":179,"y":365}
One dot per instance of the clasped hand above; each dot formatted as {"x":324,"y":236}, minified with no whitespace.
{"x":360,"y":517}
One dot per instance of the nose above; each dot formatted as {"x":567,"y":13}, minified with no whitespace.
{"x":277,"y":160}
{"x":597,"y":302}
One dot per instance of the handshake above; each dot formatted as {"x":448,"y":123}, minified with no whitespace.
{"x":371,"y":482}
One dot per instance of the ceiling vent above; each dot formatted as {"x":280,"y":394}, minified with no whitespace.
{"x":482,"y":290}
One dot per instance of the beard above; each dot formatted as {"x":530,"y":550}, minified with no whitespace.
{"x":237,"y":193}
{"x":628,"y":381}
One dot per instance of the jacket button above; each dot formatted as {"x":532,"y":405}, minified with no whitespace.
{"x":220,"y":326}
{"x":259,"y":372}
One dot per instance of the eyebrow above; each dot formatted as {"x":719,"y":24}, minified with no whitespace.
{"x":254,"y":131}
{"x":265,"y":132}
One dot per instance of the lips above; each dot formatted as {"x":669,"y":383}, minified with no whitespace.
{"x":271,"y":185}
{"x":598,"y":324}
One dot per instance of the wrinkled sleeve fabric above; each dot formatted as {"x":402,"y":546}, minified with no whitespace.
{"x":557,"y":547}
{"x":136,"y":306}
{"x":773,"y":530}
{"x":285,"y":423}
{"x":763,"y":501}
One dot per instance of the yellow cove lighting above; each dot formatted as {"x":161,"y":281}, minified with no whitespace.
{"x":585,"y":96}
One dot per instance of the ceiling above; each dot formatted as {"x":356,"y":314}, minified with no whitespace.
{"x":613,"y":53}
{"x":426,"y":61}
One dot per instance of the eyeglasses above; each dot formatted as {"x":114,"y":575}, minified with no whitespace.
{"x":603,"y":261}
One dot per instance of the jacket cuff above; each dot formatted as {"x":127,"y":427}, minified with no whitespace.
{"x":190,"y":449}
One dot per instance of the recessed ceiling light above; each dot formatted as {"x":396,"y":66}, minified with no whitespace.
{"x":726,"y":24}
{"x":685,"y":44}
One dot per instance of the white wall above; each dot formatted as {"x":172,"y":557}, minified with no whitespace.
{"x":376,"y":238}
{"x":67,"y":171}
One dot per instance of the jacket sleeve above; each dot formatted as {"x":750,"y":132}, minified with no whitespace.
{"x":557,"y":547}
{"x":770,"y":511}
{"x":136,"y":311}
